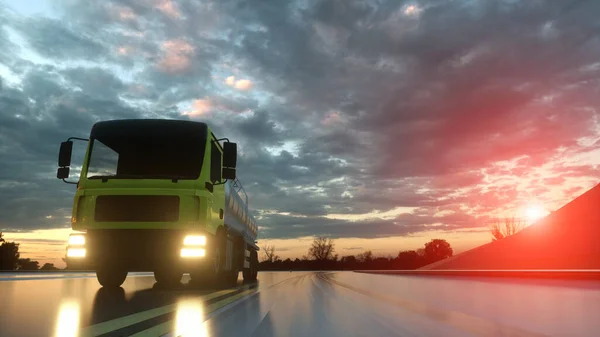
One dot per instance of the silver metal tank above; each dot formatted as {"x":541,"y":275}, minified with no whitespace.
{"x":237,"y":216}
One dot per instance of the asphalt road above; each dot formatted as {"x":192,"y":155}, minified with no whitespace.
{"x":299,"y":304}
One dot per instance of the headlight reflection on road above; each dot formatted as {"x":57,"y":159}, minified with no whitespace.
{"x":67,"y":322}
{"x":189,"y":319}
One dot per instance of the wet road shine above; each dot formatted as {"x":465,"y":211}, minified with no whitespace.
{"x":298,"y":304}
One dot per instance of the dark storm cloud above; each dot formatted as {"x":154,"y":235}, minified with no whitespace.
{"x":53,"y":38}
{"x":260,"y":128}
{"x":480,"y":99}
{"x":95,"y":81}
{"x":385,"y":109}
{"x":444,"y":107}
{"x":33,"y":122}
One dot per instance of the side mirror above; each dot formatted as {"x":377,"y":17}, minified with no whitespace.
{"x":229,"y":156}
{"x":64,"y":155}
{"x":228,"y":173}
{"x":62,"y":173}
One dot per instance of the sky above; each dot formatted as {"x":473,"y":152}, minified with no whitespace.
{"x":381,"y":124}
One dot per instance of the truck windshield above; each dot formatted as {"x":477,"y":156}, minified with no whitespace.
{"x":147,"y":149}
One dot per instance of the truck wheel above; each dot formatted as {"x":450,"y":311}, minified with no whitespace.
{"x":210,"y":274}
{"x":110,"y":277}
{"x":251,"y":273}
{"x":167,"y":276}
{"x":254,"y":261}
{"x":229,"y":278}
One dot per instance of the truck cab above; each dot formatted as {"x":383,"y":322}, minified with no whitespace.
{"x":161,"y":196}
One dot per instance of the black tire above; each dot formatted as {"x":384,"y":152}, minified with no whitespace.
{"x":211,"y":273}
{"x":168,"y":277}
{"x":110,"y":277}
{"x":250,"y":274}
{"x":254,"y":261}
{"x":229,"y":279}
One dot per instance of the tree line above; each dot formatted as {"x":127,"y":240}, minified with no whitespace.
{"x":10,"y":258}
{"x":321,"y":256}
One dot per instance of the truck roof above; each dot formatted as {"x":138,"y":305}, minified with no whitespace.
{"x":132,"y":125}
{"x":146,"y":121}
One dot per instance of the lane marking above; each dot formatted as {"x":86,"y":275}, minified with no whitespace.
{"x":61,"y":277}
{"x":125,"y":321}
{"x":472,"y":324}
{"x":160,"y":331}
{"x":211,"y":310}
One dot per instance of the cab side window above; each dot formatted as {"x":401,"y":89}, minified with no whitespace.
{"x":215,"y":163}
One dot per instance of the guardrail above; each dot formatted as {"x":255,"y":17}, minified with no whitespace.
{"x":565,"y":274}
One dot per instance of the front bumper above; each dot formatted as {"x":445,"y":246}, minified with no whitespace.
{"x":137,"y":250}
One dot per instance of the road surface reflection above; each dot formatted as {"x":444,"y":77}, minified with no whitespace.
{"x":190,"y":319}
{"x":68,"y":319}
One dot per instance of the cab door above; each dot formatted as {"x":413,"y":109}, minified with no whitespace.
{"x":216,"y":169}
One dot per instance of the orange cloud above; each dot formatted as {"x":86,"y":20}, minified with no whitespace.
{"x":169,"y":9}
{"x":239,"y":84}
{"x":176,"y":57}
{"x":332,"y":118}
{"x":125,"y":50}
{"x":200,"y":107}
{"x":121,"y":13}
{"x":243,"y":84}
{"x":412,"y":10}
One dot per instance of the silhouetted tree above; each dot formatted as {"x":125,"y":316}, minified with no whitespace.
{"x":437,"y":249}
{"x":409,"y":259}
{"x":511,"y":226}
{"x":348,"y":259}
{"x":269,"y":254}
{"x":48,"y":266}
{"x":349,"y":262}
{"x":322,"y":249}
{"x":28,"y":264}
{"x":9,"y":254}
{"x":287,"y":264}
{"x":326,"y":259}
{"x":380,"y":263}
{"x":365,"y":257}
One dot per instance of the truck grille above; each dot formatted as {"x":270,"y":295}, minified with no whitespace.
{"x":142,"y":208}
{"x":135,"y":249}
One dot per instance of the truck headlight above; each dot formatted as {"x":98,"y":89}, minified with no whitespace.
{"x":76,"y":240}
{"x":194,"y":240}
{"x":193,"y":252}
{"x":76,"y":252}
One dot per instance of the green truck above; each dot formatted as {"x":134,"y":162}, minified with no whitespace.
{"x":162,"y":196}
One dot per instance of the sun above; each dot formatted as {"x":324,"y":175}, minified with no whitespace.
{"x":535,"y":212}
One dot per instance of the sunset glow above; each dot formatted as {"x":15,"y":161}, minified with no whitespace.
{"x":535,"y":212}
{"x":380,"y":126}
